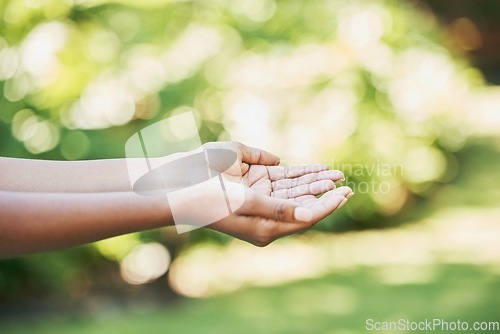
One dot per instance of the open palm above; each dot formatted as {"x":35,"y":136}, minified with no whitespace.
{"x":301,"y":184}
{"x":279,"y":200}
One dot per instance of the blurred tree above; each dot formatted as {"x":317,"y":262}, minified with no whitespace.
{"x":79,"y":77}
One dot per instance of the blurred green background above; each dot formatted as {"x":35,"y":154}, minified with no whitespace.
{"x":400,"y":95}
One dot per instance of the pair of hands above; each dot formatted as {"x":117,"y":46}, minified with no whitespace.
{"x":49,"y":205}
{"x":279,"y":201}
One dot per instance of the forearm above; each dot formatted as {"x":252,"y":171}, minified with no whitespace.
{"x":27,"y":175}
{"x":34,"y":222}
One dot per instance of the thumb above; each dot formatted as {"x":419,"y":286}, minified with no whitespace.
{"x":275,"y":208}
{"x":255,"y":156}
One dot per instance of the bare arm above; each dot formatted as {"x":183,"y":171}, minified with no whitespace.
{"x":34,"y":222}
{"x":27,"y":175}
{"x":94,"y":176}
{"x":37,"y":222}
{"x":47,"y":205}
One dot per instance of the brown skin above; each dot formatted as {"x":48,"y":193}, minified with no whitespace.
{"x":49,"y":205}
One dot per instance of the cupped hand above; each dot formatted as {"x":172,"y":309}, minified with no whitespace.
{"x":279,"y":200}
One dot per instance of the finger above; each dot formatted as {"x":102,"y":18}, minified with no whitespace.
{"x":344,"y":191}
{"x":305,"y":200}
{"x":274,"y":208}
{"x":334,"y":175}
{"x":265,"y":230}
{"x":280,"y":173}
{"x":255,"y":156}
{"x":330,"y":202}
{"x":322,"y":207}
{"x":315,"y":188}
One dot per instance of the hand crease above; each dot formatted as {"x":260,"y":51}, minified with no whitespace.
{"x":269,"y":178}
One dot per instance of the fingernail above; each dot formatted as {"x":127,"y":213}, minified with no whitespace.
{"x":342,"y":203}
{"x":349,"y":195}
{"x":302,"y":214}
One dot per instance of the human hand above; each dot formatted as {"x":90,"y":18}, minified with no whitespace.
{"x":279,"y":201}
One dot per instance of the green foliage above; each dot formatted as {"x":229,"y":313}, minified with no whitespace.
{"x":358,"y":85}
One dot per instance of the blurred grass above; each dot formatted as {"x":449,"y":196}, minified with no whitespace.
{"x":338,"y":303}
